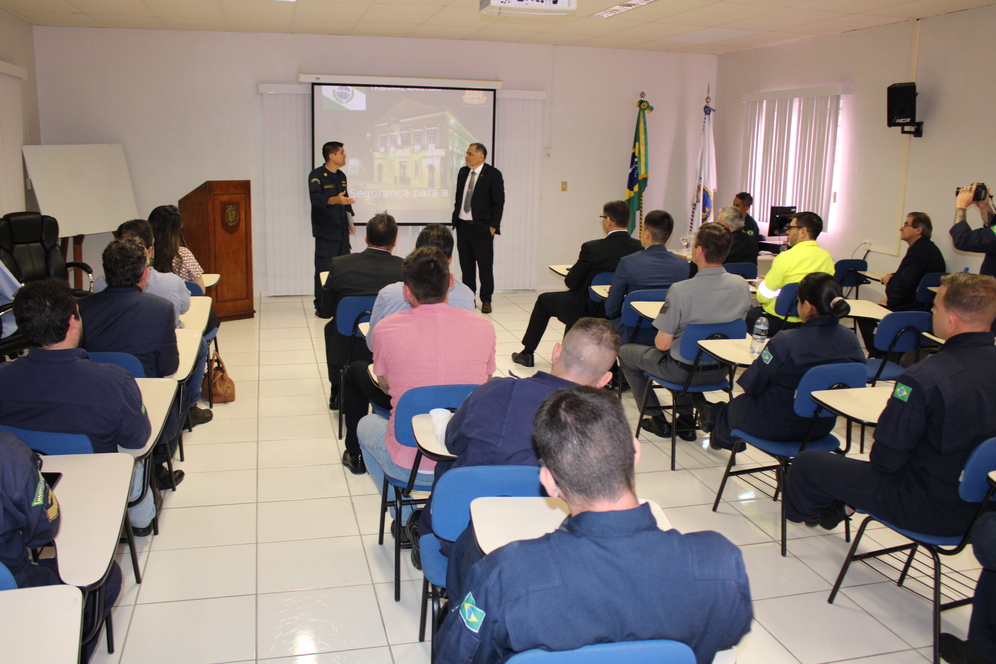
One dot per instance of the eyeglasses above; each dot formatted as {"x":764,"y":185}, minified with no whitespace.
{"x":907,"y":225}
{"x":791,"y":226}
{"x":603,"y":216}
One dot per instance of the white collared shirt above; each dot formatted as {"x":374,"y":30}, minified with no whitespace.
{"x":468,"y":216}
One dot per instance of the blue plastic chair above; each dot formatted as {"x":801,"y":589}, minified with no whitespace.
{"x":451,"y":515}
{"x":787,"y":303}
{"x":633,"y":330}
{"x":899,"y":332}
{"x":126,"y":361}
{"x":600,"y":279}
{"x":745,"y":270}
{"x":924,"y":295}
{"x":349,"y":313}
{"x":415,"y":401}
{"x":823,"y":377}
{"x":659,"y":651}
{"x":690,"y":338}
{"x":7,"y":581}
{"x":973,"y":488}
{"x":847,"y":273}
{"x":194,"y":288}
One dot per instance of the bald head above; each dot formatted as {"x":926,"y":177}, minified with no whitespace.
{"x":587,"y":353}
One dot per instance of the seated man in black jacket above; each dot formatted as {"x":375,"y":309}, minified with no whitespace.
{"x":922,"y":258}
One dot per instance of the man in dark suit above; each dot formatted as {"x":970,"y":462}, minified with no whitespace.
{"x":654,"y":267}
{"x":477,"y":214}
{"x":331,"y":210}
{"x":745,"y":248}
{"x":364,"y":273}
{"x":596,"y":256}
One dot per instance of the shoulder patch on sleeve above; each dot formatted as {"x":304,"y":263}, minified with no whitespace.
{"x":902,"y":392}
{"x":766,"y":356}
{"x":472,"y":616}
{"x":39,"y":498}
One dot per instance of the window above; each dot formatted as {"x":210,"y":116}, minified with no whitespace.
{"x":404,"y":138}
{"x":430,"y":137}
{"x":790,"y":143}
{"x":417,"y":139}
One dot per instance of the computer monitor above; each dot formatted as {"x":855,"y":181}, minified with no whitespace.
{"x":781,"y":217}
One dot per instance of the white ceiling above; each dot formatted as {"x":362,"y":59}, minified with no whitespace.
{"x":691,"y":26}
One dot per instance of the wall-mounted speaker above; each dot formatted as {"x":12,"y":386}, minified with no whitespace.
{"x":901,"y":104}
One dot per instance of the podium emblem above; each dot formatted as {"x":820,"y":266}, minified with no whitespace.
{"x":231,"y":217}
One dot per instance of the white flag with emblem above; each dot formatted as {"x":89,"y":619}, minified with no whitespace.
{"x":704,"y":195}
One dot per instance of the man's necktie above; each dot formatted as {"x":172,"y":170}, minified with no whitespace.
{"x":470,"y":192}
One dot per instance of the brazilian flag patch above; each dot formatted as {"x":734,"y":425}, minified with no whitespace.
{"x":902,"y":392}
{"x":472,"y":616}
{"x":766,"y":356}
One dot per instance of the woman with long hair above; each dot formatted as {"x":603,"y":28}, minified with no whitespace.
{"x":171,"y":253}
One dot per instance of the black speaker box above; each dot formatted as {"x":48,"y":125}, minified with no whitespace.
{"x":901,"y":104}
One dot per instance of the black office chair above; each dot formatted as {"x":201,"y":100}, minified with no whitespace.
{"x":29,"y":249}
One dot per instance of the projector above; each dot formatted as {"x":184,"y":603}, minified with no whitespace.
{"x":534,"y":7}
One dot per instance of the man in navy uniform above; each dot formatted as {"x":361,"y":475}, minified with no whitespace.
{"x":331,"y":209}
{"x":609,"y":573}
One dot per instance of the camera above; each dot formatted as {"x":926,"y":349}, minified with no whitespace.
{"x":980,"y":192}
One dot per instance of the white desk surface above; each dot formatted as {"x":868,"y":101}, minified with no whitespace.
{"x":934,"y":289}
{"x":874,"y":276}
{"x":42,"y":624}
{"x":210,"y":280}
{"x":503,"y":519}
{"x":867,"y":309}
{"x":426,"y":438}
{"x":601,"y":291}
{"x":859,"y":404}
{"x":936,"y":339}
{"x":323,"y":277}
{"x":197,"y":315}
{"x":730,"y":351}
{"x":157,"y":395}
{"x":561,"y":270}
{"x":92,"y":495}
{"x":648,"y":308}
{"x":364,"y":329}
{"x":188,"y":342}
{"x":992,"y":477}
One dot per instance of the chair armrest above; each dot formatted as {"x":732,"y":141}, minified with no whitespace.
{"x":79,"y":265}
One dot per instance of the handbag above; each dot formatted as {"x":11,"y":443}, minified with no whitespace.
{"x":217,"y":382}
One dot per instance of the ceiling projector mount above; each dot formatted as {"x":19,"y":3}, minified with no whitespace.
{"x":528,"y":7}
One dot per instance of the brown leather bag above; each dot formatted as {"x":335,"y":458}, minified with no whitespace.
{"x":217,"y":377}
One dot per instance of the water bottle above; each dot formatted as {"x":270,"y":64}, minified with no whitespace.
{"x":760,"y":334}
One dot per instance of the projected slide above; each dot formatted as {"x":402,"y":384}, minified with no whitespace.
{"x":404,"y":145}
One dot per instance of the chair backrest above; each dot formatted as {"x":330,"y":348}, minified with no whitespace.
{"x":745,"y":270}
{"x":349,"y":309}
{"x":975,"y":476}
{"x":823,"y":377}
{"x":696,"y":332}
{"x":52,"y":443}
{"x":660,"y":651}
{"x":900,"y":331}
{"x":126,"y":361}
{"x":420,"y":400}
{"x":194,"y":288}
{"x":631,"y":319}
{"x":600,"y":279}
{"x":7,"y":581}
{"x":458,"y":487}
{"x":787,"y":302}
{"x":846,"y":272}
{"x":29,"y":246}
{"x":923,"y":292}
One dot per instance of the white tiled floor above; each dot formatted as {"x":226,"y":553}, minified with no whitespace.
{"x":268,"y":552}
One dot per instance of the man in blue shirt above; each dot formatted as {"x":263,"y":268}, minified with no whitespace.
{"x":608,"y":574}
{"x":493,"y":427}
{"x":654,"y":267}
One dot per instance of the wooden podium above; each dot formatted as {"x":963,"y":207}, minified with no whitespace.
{"x":217,"y":226}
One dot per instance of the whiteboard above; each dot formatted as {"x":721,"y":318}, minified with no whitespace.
{"x":87,"y":188}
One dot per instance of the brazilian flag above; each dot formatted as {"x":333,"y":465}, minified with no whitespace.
{"x":638,"y":166}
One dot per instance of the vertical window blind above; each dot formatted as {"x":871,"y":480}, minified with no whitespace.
{"x":790,"y":142}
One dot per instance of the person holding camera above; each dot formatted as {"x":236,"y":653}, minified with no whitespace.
{"x":981,"y":240}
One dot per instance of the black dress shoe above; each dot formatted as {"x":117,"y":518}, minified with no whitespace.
{"x":485,"y":309}
{"x":705,"y":417}
{"x":523,"y":358}
{"x":411,"y":530}
{"x":832,"y":515}
{"x":197,"y":416}
{"x":142,"y":532}
{"x":957,"y":651}
{"x":162,"y":478}
{"x":354,"y":462}
{"x":657,"y":425}
{"x":333,"y":401}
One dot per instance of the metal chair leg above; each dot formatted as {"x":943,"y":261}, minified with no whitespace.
{"x":130,"y":536}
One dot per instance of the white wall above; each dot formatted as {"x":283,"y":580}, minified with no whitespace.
{"x":17,"y":48}
{"x":186,"y":108}
{"x":955,"y":103}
